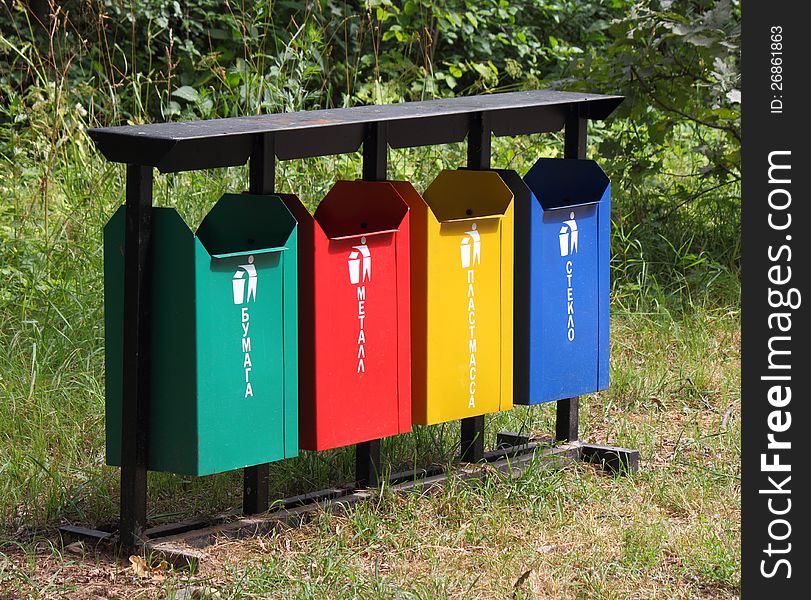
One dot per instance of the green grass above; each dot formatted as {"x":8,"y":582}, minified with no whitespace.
{"x":672,"y":530}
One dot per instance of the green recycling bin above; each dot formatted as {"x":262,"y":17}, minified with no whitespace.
{"x":223,"y":340}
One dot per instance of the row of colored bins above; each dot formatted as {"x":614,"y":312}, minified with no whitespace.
{"x":274,"y":330}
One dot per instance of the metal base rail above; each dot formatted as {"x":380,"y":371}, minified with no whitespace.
{"x":182,"y":543}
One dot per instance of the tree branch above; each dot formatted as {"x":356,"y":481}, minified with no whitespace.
{"x":649,"y":91}
{"x":698,"y":195}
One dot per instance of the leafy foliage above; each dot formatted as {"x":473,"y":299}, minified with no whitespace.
{"x":673,"y":148}
{"x":678,"y":155}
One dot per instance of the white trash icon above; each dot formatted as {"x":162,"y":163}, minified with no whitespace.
{"x":568,"y":236}
{"x":239,"y":281}
{"x":471,"y":253}
{"x":360,"y":254}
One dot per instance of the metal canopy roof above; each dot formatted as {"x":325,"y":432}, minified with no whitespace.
{"x":214,"y":143}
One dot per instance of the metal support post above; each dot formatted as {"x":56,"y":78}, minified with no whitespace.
{"x":136,"y":386}
{"x":478,"y":158}
{"x":375,"y":167}
{"x":262,"y":173}
{"x":568,"y":409}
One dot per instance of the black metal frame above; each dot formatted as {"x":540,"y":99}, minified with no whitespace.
{"x":478,"y":158}
{"x":262,"y":176}
{"x":375,"y":168}
{"x":172,"y":147}
{"x":182,"y":543}
{"x":567,"y":418}
{"x":135,"y":410}
{"x":260,"y":140}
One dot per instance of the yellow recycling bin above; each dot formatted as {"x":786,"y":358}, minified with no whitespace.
{"x":461,"y":296}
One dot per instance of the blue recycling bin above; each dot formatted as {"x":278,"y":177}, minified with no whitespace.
{"x":562,"y":254}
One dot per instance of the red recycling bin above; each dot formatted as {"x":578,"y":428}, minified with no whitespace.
{"x":354,"y":316}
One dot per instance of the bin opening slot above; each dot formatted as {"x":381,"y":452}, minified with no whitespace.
{"x":369,"y":234}
{"x":482,"y":218}
{"x":355,"y":208}
{"x":249,"y":252}
{"x":465,"y":195}
{"x":566,"y":183}
{"x":241,"y":224}
{"x":567,"y":206}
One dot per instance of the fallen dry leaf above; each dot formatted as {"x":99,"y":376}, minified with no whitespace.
{"x":520,"y":582}
{"x":142,"y":569}
{"x":139,"y":566}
